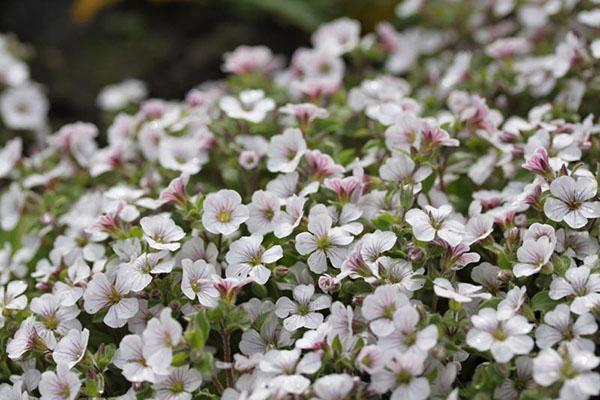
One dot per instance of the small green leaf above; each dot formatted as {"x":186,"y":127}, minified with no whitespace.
{"x":542,"y":302}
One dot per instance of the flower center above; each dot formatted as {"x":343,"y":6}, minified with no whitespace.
{"x":410,"y":338}
{"x":303,"y":309}
{"x":51,"y":322}
{"x":65,"y":391}
{"x":500,"y":335}
{"x":404,"y":377}
{"x":323,"y":243}
{"x":177,"y":387}
{"x":388,"y":311}
{"x":224,"y":216}
{"x":114,"y":297}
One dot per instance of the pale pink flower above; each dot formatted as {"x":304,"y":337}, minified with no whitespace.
{"x":161,"y":232}
{"x":435,"y":223}
{"x":303,"y":312}
{"x":572,"y":201}
{"x":223,"y":212}
{"x":504,"y":338}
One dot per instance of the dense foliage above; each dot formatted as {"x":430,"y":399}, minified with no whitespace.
{"x":407,"y":214}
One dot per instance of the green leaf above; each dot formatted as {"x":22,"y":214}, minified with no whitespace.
{"x":542,"y":302}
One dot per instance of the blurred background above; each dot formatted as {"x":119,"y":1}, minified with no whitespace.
{"x":80,"y":46}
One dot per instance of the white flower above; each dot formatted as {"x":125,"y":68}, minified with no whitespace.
{"x":11,"y":205}
{"x":252,"y":106}
{"x":197,"y":281}
{"x":523,"y":380}
{"x":178,"y":384}
{"x":70,"y":291}
{"x":117,"y":96}
{"x":182,"y":154}
{"x":504,"y":338}
{"x":374,"y":244}
{"x":28,"y":338}
{"x":302,"y":313}
{"x":285,"y":369}
{"x":532,"y":256}
{"x":286,"y":151}
{"x":333,"y":387}
{"x":60,"y":385}
{"x":195,"y":249}
{"x":101,"y":293}
{"x":138,"y":273}
{"x":576,"y":244}
{"x":291,"y":217}
{"x":580,"y":284}
{"x":9,"y":155}
{"x":406,"y":336}
{"x":264,"y":212}
{"x":14,"y":392}
{"x":571,"y":202}
{"x":24,"y":107}
{"x":434,"y":222}
{"x":573,"y":368}
{"x":12,"y":297}
{"x":404,"y":374}
{"x":558,"y":327}
{"x":512,"y":303}
{"x":271,"y":335}
{"x":224,"y":212}
{"x":247,"y":258}
{"x":160,"y":337}
{"x":322,"y":242}
{"x":71,"y":348}
{"x":161,"y":232}
{"x":463,"y":293}
{"x":401,"y":169}
{"x":379,"y":308}
{"x":337,"y":37}
{"x":131,"y":357}
{"x":55,"y":317}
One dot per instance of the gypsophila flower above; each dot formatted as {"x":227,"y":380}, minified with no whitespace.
{"x":572,"y":201}
{"x":60,"y":385}
{"x":71,"y":349}
{"x":224,"y":212}
{"x":247,"y":258}
{"x":197,"y":282}
{"x":503,"y":338}
{"x":573,"y":368}
{"x":434,"y":223}
{"x":161,"y":232}
{"x":101,"y":293}
{"x":302,"y":313}
{"x":161,"y":335}
{"x":580,"y":285}
{"x":380,"y":307}
{"x":322,"y":241}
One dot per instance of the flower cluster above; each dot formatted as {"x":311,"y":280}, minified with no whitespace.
{"x":406,"y":214}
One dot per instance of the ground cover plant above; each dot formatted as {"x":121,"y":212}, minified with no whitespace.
{"x":408,"y":213}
